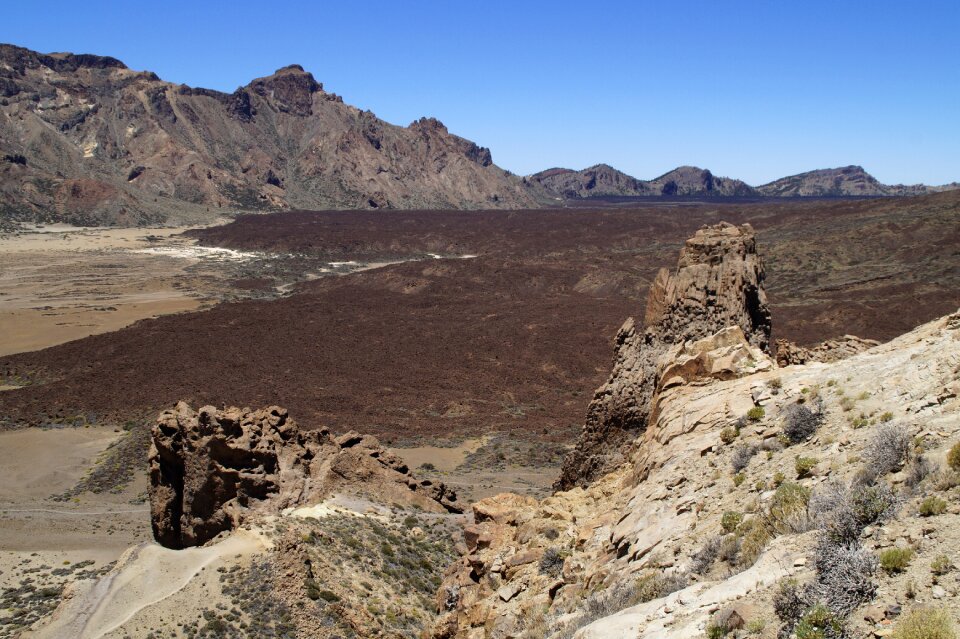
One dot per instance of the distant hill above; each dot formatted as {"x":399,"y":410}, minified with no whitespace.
{"x":843,"y":182}
{"x":599,"y":180}
{"x":85,"y":139}
{"x":691,"y":181}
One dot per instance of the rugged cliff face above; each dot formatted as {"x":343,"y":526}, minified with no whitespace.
{"x":211,"y":470}
{"x":87,"y":140}
{"x":758,"y":500}
{"x":718,"y":283}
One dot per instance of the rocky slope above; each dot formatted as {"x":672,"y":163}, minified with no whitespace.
{"x":718,"y":283}
{"x":843,"y":182}
{"x":818,"y":499}
{"x":87,"y":140}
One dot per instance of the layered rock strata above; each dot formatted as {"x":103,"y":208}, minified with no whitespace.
{"x":718,"y":283}
{"x":210,"y":470}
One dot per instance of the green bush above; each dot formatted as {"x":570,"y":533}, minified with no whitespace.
{"x":895,"y":560}
{"x":925,"y":623}
{"x":804,"y":465}
{"x":819,"y":623}
{"x":717,"y":630}
{"x":941,"y":565}
{"x":730,"y":520}
{"x":932,"y":505}
{"x":756,"y":413}
{"x":953,"y":457}
{"x":788,"y":508}
{"x":739,"y":478}
{"x":728,"y":434}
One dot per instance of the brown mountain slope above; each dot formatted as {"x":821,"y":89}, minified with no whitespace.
{"x":85,"y":139}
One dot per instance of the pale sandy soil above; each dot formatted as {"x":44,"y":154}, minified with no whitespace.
{"x":59,"y":283}
{"x":442,"y":458}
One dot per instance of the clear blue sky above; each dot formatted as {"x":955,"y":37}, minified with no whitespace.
{"x":754,"y":90}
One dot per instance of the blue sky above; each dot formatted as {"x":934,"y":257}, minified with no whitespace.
{"x":754,"y":90}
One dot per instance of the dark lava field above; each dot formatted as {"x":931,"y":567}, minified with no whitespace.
{"x":510,"y":339}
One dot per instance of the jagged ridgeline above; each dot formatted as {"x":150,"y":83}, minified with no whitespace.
{"x":84,"y":139}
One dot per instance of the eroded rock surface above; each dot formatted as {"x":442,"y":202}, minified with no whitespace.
{"x":212,"y":469}
{"x":718,"y":283}
{"x":831,"y":350}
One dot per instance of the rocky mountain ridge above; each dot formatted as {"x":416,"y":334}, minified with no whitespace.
{"x":84,"y":139}
{"x":689,"y":181}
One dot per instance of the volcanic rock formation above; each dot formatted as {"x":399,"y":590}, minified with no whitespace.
{"x":84,"y":139}
{"x":831,"y":350}
{"x":210,"y":470}
{"x":718,"y":283}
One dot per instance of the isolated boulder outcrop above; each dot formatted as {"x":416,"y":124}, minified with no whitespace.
{"x":211,"y":470}
{"x":718,"y":283}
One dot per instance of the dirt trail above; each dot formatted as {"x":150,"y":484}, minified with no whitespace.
{"x":146,"y":575}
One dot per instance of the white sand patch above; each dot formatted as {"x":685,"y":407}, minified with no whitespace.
{"x":144,"y":576}
{"x":212,"y":253}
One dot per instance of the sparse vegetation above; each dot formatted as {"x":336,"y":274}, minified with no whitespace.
{"x":800,"y":422}
{"x":756,"y":413}
{"x":730,"y":520}
{"x":925,"y":623}
{"x":551,"y":563}
{"x":941,"y":565}
{"x":804,"y":466}
{"x":742,"y":455}
{"x":728,"y":434}
{"x":885,"y":452}
{"x":739,"y":478}
{"x":932,"y":506}
{"x":953,"y":457}
{"x":895,"y":560}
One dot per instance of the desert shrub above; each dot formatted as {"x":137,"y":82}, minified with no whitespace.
{"x":894,"y":560}
{"x":730,"y":520}
{"x":739,"y":478}
{"x":742,"y":455}
{"x":756,"y":413}
{"x":804,"y":466}
{"x":788,"y":508}
{"x":847,"y":404}
{"x":931,"y":506}
{"x":953,"y":457}
{"x":776,"y":383}
{"x":925,"y":623}
{"x":819,"y":623}
{"x":789,"y":603}
{"x":655,"y":585}
{"x":703,"y":559}
{"x":427,"y":466}
{"x":756,"y":626}
{"x":941,"y":565}
{"x":728,"y":434}
{"x":874,"y":503}
{"x":800,"y":422}
{"x":551,"y":563}
{"x":730,"y":549}
{"x":756,"y":535}
{"x":920,"y":468}
{"x":717,"y":630}
{"x":946,"y":479}
{"x":886,"y":417}
{"x":844,"y":572}
{"x":771,"y":445}
{"x":885,"y":452}
{"x":777,"y":479}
